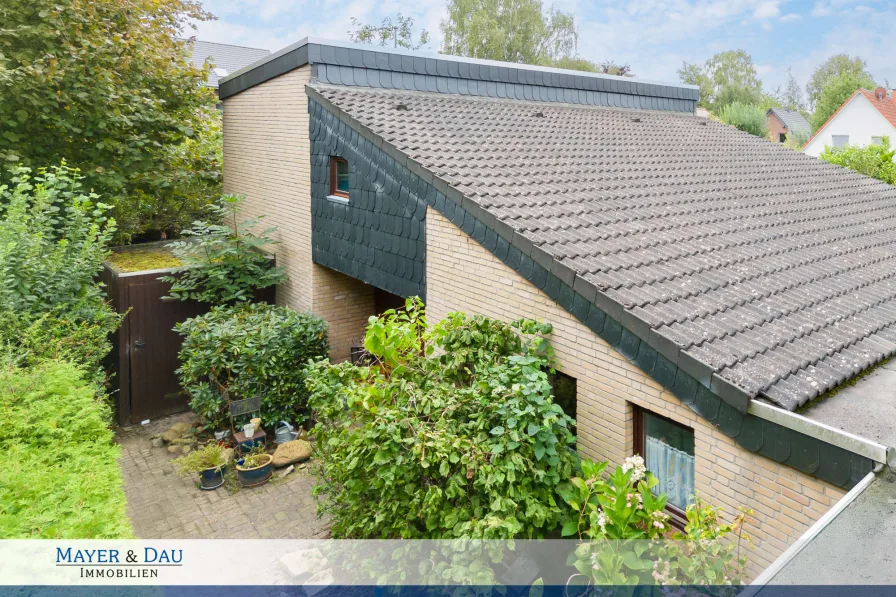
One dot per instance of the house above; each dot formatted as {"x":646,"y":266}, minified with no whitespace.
{"x":781,"y":122}
{"x":703,"y":284}
{"x":865,"y":118}
{"x":226,"y":58}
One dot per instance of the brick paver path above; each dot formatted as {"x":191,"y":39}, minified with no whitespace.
{"x":162,"y":505}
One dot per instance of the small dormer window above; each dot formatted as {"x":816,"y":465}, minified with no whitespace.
{"x":338,"y":177}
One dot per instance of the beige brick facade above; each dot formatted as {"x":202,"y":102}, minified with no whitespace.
{"x":463,"y":276}
{"x":267,"y":159}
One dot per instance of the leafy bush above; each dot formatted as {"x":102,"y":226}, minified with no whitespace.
{"x":223,"y":264}
{"x":60,"y":477}
{"x":452,"y":429}
{"x":247,"y":350}
{"x":629,"y":534}
{"x":874,"y":160}
{"x":749,"y":118}
{"x":53,"y":240}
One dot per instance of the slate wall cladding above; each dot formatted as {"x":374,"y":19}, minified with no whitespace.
{"x":379,"y":237}
{"x":351,"y":66}
{"x":804,"y":453}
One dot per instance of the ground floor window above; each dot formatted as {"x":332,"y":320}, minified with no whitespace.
{"x":668,"y":451}
{"x":563,"y":387}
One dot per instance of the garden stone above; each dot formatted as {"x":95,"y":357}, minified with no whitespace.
{"x":227,"y":453}
{"x":177,"y":431}
{"x":182,"y":441}
{"x":291,"y":453}
{"x":157,"y":442}
{"x":174,"y":449}
{"x":186,"y":449}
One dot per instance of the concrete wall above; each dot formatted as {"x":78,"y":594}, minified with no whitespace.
{"x":858,"y":119}
{"x":463,"y":276}
{"x":267,"y":159}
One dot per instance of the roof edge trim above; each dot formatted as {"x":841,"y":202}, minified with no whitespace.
{"x":308,"y":50}
{"x":837,"y":437}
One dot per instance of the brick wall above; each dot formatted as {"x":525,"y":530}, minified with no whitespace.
{"x":775,"y":127}
{"x":463,"y":276}
{"x":267,"y":159}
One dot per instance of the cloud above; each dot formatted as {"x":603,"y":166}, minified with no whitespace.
{"x":767,"y":10}
{"x":791,"y":17}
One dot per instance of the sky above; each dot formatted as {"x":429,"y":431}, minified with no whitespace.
{"x":653,"y":36}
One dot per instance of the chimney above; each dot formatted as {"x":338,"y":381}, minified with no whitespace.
{"x":880,"y":93}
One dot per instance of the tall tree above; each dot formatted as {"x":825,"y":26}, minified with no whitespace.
{"x":725,"y":78}
{"x":398,"y":33}
{"x":511,"y":30}
{"x":791,"y":97}
{"x":824,"y":73}
{"x":105,"y":85}
{"x":836,"y":91}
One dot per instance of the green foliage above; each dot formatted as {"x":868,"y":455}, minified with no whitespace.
{"x":627,"y":532}
{"x":795,"y":140}
{"x":53,"y":240}
{"x":837,"y":90}
{"x":60,"y":477}
{"x":107,"y":85}
{"x":452,"y":428}
{"x":399,"y":33}
{"x":725,"y":78}
{"x":875,"y":161}
{"x":510,"y":30}
{"x":791,"y":97}
{"x":833,"y":67}
{"x":208,"y":456}
{"x":746,"y":117}
{"x":247,"y":350}
{"x":223,"y":263}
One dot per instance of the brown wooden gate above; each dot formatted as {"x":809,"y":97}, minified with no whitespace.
{"x":155,"y":390}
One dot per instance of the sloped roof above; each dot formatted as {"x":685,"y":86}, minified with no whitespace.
{"x":750,"y":263}
{"x":225,"y":56}
{"x":885,"y":106}
{"x":793,"y":120}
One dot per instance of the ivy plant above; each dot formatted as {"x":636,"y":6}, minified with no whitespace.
{"x":247,"y":350}
{"x":452,"y":428}
{"x":225,"y":261}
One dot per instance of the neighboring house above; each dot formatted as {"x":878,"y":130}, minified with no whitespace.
{"x":781,"y":122}
{"x":225,"y":57}
{"x":865,"y":118}
{"x":697,"y":300}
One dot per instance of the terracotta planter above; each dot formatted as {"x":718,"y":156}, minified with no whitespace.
{"x":256,"y":475}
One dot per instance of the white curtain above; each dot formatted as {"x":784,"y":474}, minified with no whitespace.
{"x":674,"y":469}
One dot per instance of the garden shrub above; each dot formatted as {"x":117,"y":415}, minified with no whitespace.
{"x":450,"y":432}
{"x":60,"y":476}
{"x":247,"y":350}
{"x":628,"y":537}
{"x":53,"y":240}
{"x":223,"y":262}
{"x":875,"y":161}
{"x":749,"y":118}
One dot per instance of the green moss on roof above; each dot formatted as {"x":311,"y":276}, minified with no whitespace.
{"x":138,"y":260}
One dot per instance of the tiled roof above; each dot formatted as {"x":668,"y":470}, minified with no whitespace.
{"x":793,"y":120}
{"x":768,"y":268}
{"x":225,"y":56}
{"x":885,"y":106}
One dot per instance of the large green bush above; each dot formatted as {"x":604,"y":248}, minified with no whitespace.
{"x":749,"y":118}
{"x":247,"y":350}
{"x":875,"y":161}
{"x":53,"y":240}
{"x":224,"y":260}
{"x":60,"y":476}
{"x":450,"y":432}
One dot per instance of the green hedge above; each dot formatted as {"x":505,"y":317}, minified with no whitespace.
{"x":60,"y":476}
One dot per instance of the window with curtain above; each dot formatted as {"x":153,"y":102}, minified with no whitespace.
{"x":668,"y":452}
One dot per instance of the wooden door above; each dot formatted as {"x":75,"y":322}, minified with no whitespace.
{"x":154,"y":388}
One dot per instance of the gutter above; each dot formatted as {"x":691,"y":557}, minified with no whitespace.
{"x":879,"y":453}
{"x":772,"y":571}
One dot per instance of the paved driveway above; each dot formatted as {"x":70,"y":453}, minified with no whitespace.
{"x":162,"y":505}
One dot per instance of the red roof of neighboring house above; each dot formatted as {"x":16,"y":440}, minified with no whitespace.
{"x":886,"y":107}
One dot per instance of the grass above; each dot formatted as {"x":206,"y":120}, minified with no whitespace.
{"x":138,"y":260}
{"x":59,"y":477}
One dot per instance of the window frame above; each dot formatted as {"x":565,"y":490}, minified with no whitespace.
{"x":845,"y":142}
{"x":334,"y":177}
{"x":678,"y":517}
{"x":877,"y":140}
{"x":782,"y":137}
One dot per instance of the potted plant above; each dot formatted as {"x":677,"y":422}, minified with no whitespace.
{"x":208,"y":461}
{"x":254,"y":468}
